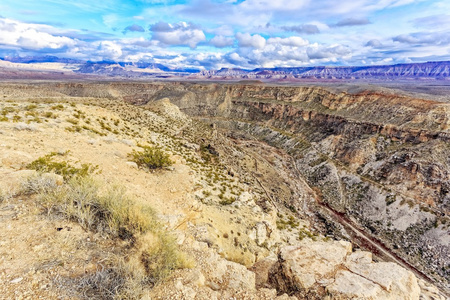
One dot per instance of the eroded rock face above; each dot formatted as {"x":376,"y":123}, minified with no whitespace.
{"x":317,"y":270}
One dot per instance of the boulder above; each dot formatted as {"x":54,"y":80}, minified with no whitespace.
{"x":319,"y":269}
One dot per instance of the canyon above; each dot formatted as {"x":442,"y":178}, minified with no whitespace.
{"x":369,"y":166}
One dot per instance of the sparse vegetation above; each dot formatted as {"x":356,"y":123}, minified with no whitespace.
{"x":151,"y":158}
{"x":109,"y":211}
{"x":49,"y":114}
{"x":48,"y":163}
{"x":286,"y":224}
{"x":72,"y":121}
{"x":80,"y":200}
{"x":31,"y":107}
{"x":390,"y":199}
{"x":58,"y":107}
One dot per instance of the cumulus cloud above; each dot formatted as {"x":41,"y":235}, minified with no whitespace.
{"x":133,"y":28}
{"x":293,"y":41}
{"x":352,"y":22}
{"x":110,"y":49}
{"x":283,"y":52}
{"x":374,"y":44}
{"x":179,"y":34}
{"x":316,"y":51}
{"x":31,"y":36}
{"x":248,"y":40}
{"x":220,"y":41}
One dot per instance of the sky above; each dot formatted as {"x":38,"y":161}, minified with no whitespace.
{"x":214,"y":34}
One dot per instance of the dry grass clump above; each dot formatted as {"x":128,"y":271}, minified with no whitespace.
{"x":111,"y":211}
{"x":152,"y":252}
{"x":151,"y":158}
{"x":39,"y":183}
{"x":117,"y":279}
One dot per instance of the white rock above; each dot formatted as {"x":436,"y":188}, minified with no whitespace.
{"x":132,"y":164}
{"x":17,"y":280}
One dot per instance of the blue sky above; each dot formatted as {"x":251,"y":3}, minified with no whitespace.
{"x":211,"y":34}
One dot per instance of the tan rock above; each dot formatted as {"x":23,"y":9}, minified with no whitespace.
{"x":315,"y":269}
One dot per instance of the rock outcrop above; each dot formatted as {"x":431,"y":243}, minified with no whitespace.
{"x":330,"y":270}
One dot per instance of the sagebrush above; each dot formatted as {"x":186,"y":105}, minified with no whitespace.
{"x":151,"y":158}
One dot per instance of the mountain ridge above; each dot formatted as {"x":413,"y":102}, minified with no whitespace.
{"x":426,"y":70}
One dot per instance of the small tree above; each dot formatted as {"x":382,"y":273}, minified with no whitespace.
{"x":151,"y":158}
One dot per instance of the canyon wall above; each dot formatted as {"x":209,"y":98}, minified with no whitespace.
{"x":380,"y":160}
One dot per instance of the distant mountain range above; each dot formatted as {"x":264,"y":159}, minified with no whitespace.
{"x":428,"y":70}
{"x":435,"y":70}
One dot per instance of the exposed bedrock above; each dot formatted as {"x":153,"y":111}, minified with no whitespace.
{"x":381,"y":160}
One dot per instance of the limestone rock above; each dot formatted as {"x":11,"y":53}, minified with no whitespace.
{"x":316,"y":269}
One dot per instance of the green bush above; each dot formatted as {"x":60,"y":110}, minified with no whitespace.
{"x":151,"y":158}
{"x":47,"y":164}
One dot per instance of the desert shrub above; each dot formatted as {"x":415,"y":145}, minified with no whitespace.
{"x":116,"y":279}
{"x":93,"y":130}
{"x":126,"y":278}
{"x":151,"y":158}
{"x":58,"y":107}
{"x":304,"y":233}
{"x":4,"y":119}
{"x":162,"y":256}
{"x":16,"y":118}
{"x":38,"y":183}
{"x":8,"y":109}
{"x":49,"y":114}
{"x":112,"y":211}
{"x":72,"y":121}
{"x":48,"y":163}
{"x":74,"y":128}
{"x":31,"y":107}
{"x":289,"y":223}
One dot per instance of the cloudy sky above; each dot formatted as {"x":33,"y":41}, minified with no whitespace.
{"x":211,"y":34}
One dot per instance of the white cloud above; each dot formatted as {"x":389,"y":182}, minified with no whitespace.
{"x":109,"y":49}
{"x":221,"y":41}
{"x":424,"y":38}
{"x":284,"y":52}
{"x":294,"y":41}
{"x":247,"y":40}
{"x":179,"y":34}
{"x":271,"y":5}
{"x":331,"y":52}
{"x":374,"y":43}
{"x":30,"y":36}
